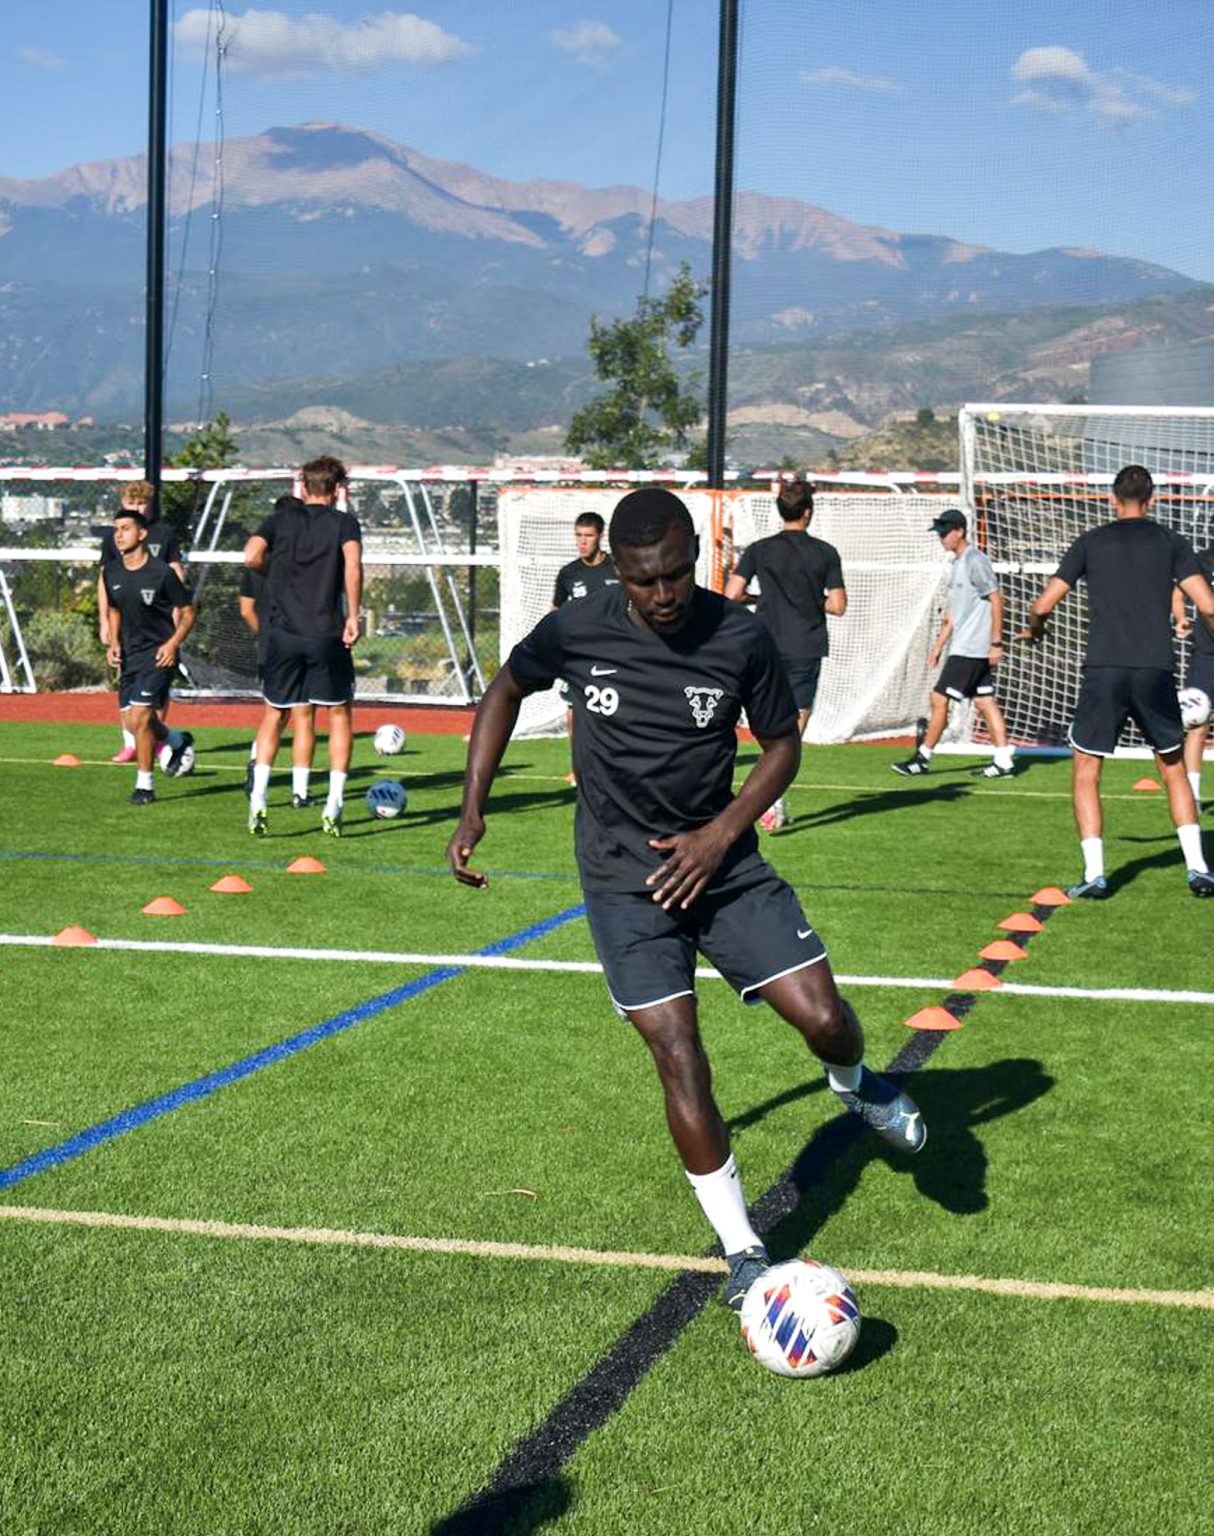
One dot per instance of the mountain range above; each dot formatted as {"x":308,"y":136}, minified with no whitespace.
{"x":342,"y":252}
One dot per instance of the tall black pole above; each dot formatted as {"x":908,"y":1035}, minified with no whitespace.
{"x":722,"y":237}
{"x":153,"y":366}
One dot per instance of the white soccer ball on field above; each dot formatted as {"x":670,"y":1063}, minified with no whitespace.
{"x":188,"y":758}
{"x":386,"y":798}
{"x":1194,"y":707}
{"x":389,"y":740}
{"x":800,"y":1318}
{"x":775,"y":817}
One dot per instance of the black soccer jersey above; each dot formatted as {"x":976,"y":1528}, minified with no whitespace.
{"x":577,"y":579}
{"x":1203,"y":634}
{"x":1130,"y":567}
{"x":795,"y":572}
{"x":161,"y":543}
{"x":305,"y":584}
{"x":654,"y":741}
{"x":145,"y":599}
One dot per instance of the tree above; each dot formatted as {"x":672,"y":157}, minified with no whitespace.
{"x":211,"y":447}
{"x":649,"y":410}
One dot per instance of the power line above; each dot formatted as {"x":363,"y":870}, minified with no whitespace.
{"x":657,"y":169}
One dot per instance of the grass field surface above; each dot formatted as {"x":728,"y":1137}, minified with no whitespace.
{"x":441,"y":1355}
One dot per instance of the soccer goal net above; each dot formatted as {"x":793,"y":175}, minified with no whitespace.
{"x":1034,"y":477}
{"x":876,"y":681}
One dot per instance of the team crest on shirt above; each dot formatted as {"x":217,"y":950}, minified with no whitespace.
{"x":155,"y":551}
{"x":703,"y":703}
{"x":147,"y":594}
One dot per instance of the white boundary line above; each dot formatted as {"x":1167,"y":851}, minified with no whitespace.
{"x":324,"y":1236}
{"x":575,"y":967}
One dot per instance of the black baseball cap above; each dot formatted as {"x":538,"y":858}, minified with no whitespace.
{"x":947,"y":521}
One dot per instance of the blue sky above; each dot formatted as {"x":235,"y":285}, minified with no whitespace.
{"x":1078,"y":122}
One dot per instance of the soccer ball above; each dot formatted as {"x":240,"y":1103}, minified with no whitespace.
{"x":1194,"y":707}
{"x":389,"y":740}
{"x":188,"y":759}
{"x":386,"y":799}
{"x":800,"y":1318}
{"x":775,"y":817}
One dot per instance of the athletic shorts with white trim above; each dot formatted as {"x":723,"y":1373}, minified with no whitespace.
{"x":306,"y":669}
{"x":143,"y":683}
{"x":966,"y":677}
{"x":1110,"y":696}
{"x":753,"y":930}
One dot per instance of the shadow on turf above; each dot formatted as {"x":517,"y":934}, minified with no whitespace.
{"x":516,"y":1512}
{"x":875,"y":804}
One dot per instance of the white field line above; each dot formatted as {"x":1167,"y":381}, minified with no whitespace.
{"x":324,"y":1236}
{"x":578,"y":967}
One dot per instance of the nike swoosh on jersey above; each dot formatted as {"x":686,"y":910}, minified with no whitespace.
{"x":804,"y":933}
{"x":603,"y":671}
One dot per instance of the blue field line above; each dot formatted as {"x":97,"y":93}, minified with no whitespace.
{"x":203,"y":1087}
{"x":273,"y":864}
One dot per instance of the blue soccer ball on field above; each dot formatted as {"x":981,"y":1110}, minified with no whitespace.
{"x":386,"y":798}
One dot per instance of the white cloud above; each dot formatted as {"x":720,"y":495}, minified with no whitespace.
{"x":39,"y":60}
{"x":270,"y":43}
{"x":1058,"y":80}
{"x":847,"y":80}
{"x":589,"y":42}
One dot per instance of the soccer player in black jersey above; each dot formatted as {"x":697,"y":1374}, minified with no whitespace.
{"x":162,"y":544}
{"x":251,"y":603}
{"x":1200,"y":673}
{"x":660,"y":671}
{"x":1131,"y":566}
{"x":311,"y":553}
{"x":143,"y":639}
{"x":593,"y":570}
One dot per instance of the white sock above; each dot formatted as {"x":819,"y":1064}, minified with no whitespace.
{"x":1003,"y":757}
{"x":723,"y":1203}
{"x":926,"y":752}
{"x":1190,"y":846}
{"x":1092,"y":849}
{"x":261,"y":786}
{"x":128,"y":738}
{"x":253,"y":750}
{"x":843,"y":1079}
{"x":299,"y":781}
{"x":337,"y":793}
{"x":144,"y":778}
{"x":1195,"y":785}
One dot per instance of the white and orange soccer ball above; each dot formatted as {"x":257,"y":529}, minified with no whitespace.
{"x":800,"y":1318}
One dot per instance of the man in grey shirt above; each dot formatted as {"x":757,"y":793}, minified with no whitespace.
{"x":973,"y":634}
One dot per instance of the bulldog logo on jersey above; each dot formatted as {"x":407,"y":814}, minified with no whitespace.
{"x":703,"y":703}
{"x":147,"y":594}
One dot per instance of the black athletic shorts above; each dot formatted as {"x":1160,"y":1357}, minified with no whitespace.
{"x":966,"y":677}
{"x":1201,"y":674}
{"x":803,"y":674}
{"x":142,"y":683}
{"x":1112,"y":695}
{"x":753,"y":930}
{"x":306,"y":669}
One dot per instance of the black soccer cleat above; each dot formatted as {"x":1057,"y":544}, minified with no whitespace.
{"x":141,"y":797}
{"x":992,"y":771}
{"x":301,"y":802}
{"x":173,"y":765}
{"x":894,"y":1115}
{"x":1096,"y":889}
{"x":912,"y":767}
{"x":744,"y":1269}
{"x":1201,"y":882}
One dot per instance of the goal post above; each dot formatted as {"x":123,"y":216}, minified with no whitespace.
{"x":1034,"y":477}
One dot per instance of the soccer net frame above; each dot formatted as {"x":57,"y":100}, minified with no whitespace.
{"x":1033,"y":478}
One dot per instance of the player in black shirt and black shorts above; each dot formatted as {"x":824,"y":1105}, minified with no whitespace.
{"x":311,"y":553}
{"x":1131,"y":567}
{"x":143,"y":640}
{"x":593,"y":570}
{"x":1200,"y":675}
{"x":659,"y":672}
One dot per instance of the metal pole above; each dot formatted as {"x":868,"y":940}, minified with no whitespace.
{"x":722,"y":236}
{"x":153,"y":366}
{"x":473,"y":518}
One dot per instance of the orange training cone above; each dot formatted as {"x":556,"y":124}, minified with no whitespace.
{"x":1051,"y":896}
{"x":306,"y":865}
{"x":66,"y":760}
{"x":1021,"y":922}
{"x":73,"y":937}
{"x":232,"y":885}
{"x":977,"y":980}
{"x":933,"y":1018}
{"x":163,"y":906}
{"x":1002,"y":949}
{"x":1147,"y":784}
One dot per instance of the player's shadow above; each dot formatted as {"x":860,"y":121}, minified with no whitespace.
{"x":879,"y":804}
{"x":951,"y":1170}
{"x":516,"y":1512}
{"x":1170,"y":857}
